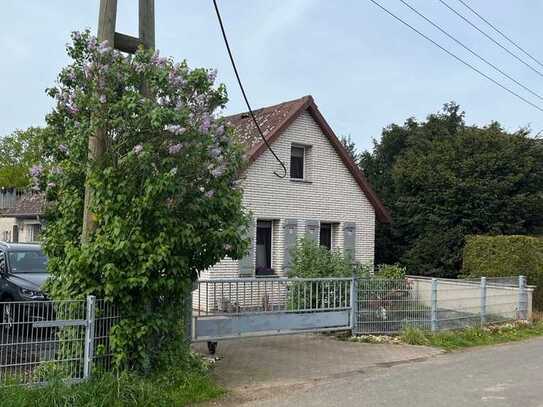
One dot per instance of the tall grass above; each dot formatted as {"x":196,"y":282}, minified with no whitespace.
{"x":473,"y":336}
{"x":170,"y":387}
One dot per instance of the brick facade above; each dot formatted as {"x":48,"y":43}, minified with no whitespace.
{"x":328,"y":194}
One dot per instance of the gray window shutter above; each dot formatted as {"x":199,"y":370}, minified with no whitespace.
{"x":290,"y":231}
{"x":349,"y":240}
{"x":247,"y":263}
{"x":312,"y":229}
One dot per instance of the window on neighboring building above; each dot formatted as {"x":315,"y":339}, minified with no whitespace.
{"x":297,"y":162}
{"x":15,"y":234}
{"x":264,"y":248}
{"x":34,"y":233}
{"x":325,"y":238}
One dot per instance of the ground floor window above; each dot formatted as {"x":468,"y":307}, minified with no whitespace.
{"x":34,"y":232}
{"x":264,"y":248}
{"x":325,"y":239}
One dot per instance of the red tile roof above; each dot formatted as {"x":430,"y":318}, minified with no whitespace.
{"x":270,"y":119}
{"x":273,"y":120}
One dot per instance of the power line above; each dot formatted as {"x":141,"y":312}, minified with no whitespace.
{"x":501,"y":33}
{"x":244,"y":94}
{"x":456,"y":57}
{"x":471,"y":51}
{"x":490,"y":38}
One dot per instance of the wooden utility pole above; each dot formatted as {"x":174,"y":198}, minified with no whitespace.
{"x":107,"y":19}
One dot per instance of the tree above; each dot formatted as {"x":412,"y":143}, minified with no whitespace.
{"x":18,"y":152}
{"x":166,"y":199}
{"x":443,"y":180}
{"x":350,"y":146}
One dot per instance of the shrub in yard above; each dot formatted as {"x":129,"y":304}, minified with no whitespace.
{"x":391,"y":271}
{"x":311,"y":261}
{"x":499,"y":256}
{"x":165,"y":199}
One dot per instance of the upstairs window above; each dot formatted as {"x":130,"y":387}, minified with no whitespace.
{"x":297,"y":162}
{"x":325,"y":237}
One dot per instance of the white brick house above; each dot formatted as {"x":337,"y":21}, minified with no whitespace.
{"x":324,"y":194}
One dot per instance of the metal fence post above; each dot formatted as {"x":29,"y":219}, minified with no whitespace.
{"x":434,"y":316}
{"x":354,"y":303}
{"x":89,"y":336}
{"x":522,"y":306}
{"x":483,"y":300}
{"x":188,"y":315}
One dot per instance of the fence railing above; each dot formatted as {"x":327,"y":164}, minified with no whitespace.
{"x":267,"y":295}
{"x":388,"y":306}
{"x":66,"y":338}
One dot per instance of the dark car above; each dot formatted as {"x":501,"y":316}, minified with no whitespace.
{"x":23,"y":271}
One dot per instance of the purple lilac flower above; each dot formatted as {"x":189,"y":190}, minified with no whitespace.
{"x":76,"y":35}
{"x":157,"y":60}
{"x":36,"y":170}
{"x":175,"y":129}
{"x":210,"y":193}
{"x":175,"y":148}
{"x":215,"y":152}
{"x":206,"y":124}
{"x":63,"y":148}
{"x":104,"y":47}
{"x":212,"y":75}
{"x":217,"y":172}
{"x":138,"y":149}
{"x":93,"y":43}
{"x":87,"y":69}
{"x":220,"y":131}
{"x":175,"y":79}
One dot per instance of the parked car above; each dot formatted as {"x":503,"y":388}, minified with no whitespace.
{"x":23,"y":272}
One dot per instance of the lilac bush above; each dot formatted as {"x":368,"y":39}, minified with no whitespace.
{"x":165,"y":200}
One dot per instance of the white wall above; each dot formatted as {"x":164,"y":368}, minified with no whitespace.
{"x":330,"y":195}
{"x":6,"y":229}
{"x":25,"y":229}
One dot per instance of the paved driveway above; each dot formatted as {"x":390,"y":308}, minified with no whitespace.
{"x":258,"y":368}
{"x":507,"y":375}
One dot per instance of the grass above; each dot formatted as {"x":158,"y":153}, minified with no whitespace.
{"x":474,"y":336}
{"x":173,"y":387}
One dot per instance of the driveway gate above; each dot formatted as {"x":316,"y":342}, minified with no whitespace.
{"x":243,"y":307}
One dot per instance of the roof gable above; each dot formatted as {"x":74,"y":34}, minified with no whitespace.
{"x":273,"y":120}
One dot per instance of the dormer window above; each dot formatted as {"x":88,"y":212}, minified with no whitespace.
{"x":297,"y":156}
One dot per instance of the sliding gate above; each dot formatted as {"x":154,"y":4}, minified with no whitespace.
{"x":242,"y":307}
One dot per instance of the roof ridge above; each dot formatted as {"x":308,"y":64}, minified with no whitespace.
{"x":275,"y":106}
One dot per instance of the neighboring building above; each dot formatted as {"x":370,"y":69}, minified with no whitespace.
{"x":20,"y":216}
{"x":324,"y":195}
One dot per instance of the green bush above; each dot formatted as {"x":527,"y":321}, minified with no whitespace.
{"x":391,"y":271}
{"x":499,"y":256}
{"x":313,"y":261}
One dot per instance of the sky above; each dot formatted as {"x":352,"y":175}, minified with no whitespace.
{"x":364,"y":69}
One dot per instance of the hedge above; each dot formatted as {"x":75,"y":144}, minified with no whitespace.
{"x":500,"y":256}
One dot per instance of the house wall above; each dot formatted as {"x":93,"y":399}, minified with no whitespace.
{"x":26,"y":233}
{"x":330,"y":194}
{"x":6,"y":229}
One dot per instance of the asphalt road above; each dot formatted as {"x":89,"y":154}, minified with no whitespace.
{"x":504,"y":375}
